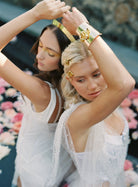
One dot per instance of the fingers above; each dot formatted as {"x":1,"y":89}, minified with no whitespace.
{"x":80,"y":16}
{"x":59,"y":6}
{"x":66,"y":14}
{"x":71,"y":14}
{"x":65,"y":9}
{"x":74,"y":9}
{"x":52,"y":9}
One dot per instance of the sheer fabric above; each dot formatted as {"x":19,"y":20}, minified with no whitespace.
{"x":102,"y":162}
{"x":34,"y":147}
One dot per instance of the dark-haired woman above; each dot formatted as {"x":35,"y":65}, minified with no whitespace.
{"x":41,"y":100}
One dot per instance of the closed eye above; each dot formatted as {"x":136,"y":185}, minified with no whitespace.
{"x":80,"y":80}
{"x":97,"y":74}
{"x":51,"y":53}
{"x":48,"y":51}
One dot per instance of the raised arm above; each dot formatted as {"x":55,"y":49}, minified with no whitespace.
{"x":30,"y":86}
{"x":119,"y":81}
{"x":44,"y":10}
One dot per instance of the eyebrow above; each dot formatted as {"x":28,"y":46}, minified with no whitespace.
{"x":81,"y":76}
{"x":96,"y":70}
{"x":77,"y":77}
{"x":53,"y":50}
{"x":49,"y":47}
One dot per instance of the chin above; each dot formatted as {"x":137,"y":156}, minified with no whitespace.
{"x":41,"y":69}
{"x":90,"y":99}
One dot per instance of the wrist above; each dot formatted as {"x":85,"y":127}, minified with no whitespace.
{"x":34,"y":14}
{"x":87,"y":33}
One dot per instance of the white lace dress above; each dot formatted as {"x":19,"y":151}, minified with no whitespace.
{"x":34,"y":147}
{"x":102,"y":162}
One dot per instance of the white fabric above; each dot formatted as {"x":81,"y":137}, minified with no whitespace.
{"x":102,"y":162}
{"x":34,"y":147}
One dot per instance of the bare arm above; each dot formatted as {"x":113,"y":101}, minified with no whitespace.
{"x":35,"y":89}
{"x":43,"y":10}
{"x":119,"y":81}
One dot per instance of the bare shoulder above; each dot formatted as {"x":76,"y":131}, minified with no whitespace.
{"x":41,"y":85}
{"x":77,"y":117}
{"x":41,"y":94}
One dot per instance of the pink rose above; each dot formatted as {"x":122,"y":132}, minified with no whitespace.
{"x":3,"y":83}
{"x":2,"y":90}
{"x":10,"y":113}
{"x":129,"y":113}
{"x":11,"y":92}
{"x":126,"y":102}
{"x":17,"y":117}
{"x":6,"y":105}
{"x":133,"y":94}
{"x":16,"y":126}
{"x":135,"y":102}
{"x":17,"y":105}
{"x":132,"y":123}
{"x":128,"y":165}
{"x":131,"y":177}
{"x":7,"y":138}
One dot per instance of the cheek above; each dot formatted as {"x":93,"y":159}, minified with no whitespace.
{"x":52,"y":62}
{"x":102,"y":82}
{"x":80,"y":88}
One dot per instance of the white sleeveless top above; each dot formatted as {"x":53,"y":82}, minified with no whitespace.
{"x":34,"y":146}
{"x":102,"y":162}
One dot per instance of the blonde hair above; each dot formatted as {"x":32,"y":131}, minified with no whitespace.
{"x":76,"y":52}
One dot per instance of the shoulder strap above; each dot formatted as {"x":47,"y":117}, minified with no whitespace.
{"x":52,"y":104}
{"x":60,"y":105}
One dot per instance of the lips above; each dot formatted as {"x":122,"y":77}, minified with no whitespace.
{"x":40,"y":63}
{"x":94,"y":94}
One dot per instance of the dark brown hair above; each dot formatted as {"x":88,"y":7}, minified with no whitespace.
{"x":55,"y":75}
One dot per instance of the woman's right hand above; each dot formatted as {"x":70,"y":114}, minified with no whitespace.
{"x":72,"y":19}
{"x":49,"y":9}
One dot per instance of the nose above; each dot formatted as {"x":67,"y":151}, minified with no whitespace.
{"x":40,"y":55}
{"x":91,"y":84}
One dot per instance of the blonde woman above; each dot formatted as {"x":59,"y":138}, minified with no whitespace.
{"x":92,"y":128}
{"x":42,"y":103}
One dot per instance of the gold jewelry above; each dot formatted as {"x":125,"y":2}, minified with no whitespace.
{"x":64,"y":30}
{"x":67,"y":62}
{"x":70,"y":74}
{"x":84,"y":35}
{"x":87,"y":33}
